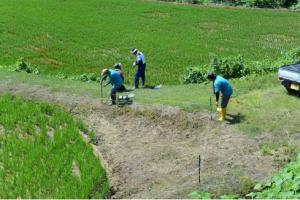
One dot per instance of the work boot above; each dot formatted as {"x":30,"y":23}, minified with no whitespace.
{"x":222,"y":114}
{"x":111,"y":103}
{"x":113,"y":99}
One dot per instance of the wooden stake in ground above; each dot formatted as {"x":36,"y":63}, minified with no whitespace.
{"x":199,"y":167}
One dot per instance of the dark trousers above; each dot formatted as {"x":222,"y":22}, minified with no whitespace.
{"x":140,"y":74}
{"x":114,"y":91}
{"x":224,"y":102}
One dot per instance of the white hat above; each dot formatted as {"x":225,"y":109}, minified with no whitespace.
{"x":134,"y":50}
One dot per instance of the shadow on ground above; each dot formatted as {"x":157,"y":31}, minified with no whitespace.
{"x":235,"y":118}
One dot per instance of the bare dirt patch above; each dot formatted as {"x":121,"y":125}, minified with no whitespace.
{"x":152,"y":152}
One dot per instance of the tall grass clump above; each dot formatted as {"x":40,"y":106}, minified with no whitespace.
{"x":42,"y":154}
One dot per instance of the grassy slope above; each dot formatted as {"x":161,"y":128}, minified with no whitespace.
{"x":260,"y":105}
{"x":255,"y":100}
{"x":40,"y":147}
{"x":78,"y":36}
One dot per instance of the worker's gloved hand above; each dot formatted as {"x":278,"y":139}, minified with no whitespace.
{"x":133,"y":64}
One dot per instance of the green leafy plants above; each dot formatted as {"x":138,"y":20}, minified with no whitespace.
{"x":22,"y":66}
{"x":252,"y":3}
{"x":43,"y":155}
{"x":293,"y":55}
{"x":296,"y":6}
{"x":91,"y":77}
{"x":231,"y":67}
{"x":285,"y":184}
{"x":238,"y":67}
{"x":194,"y":75}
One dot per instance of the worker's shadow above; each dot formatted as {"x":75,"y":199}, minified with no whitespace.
{"x":127,"y":90}
{"x":232,"y":119}
{"x":152,"y":87}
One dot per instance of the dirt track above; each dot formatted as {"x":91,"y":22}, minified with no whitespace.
{"x":152,"y":152}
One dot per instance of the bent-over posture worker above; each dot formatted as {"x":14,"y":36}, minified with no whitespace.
{"x":115,"y":80}
{"x":220,"y":84}
{"x":141,"y":63}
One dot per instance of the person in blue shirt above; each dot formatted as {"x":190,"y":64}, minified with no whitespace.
{"x":221,"y":85}
{"x":115,"y":80}
{"x":118,"y":67}
{"x":141,"y":63}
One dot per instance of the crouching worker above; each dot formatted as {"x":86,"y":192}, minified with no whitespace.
{"x":118,"y":67}
{"x":220,"y":84}
{"x":115,"y":80}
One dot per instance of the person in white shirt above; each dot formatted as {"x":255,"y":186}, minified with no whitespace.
{"x":141,"y":63}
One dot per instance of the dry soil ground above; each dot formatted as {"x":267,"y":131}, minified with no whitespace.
{"x":152,"y":152}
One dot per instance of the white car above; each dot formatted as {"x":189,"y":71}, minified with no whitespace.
{"x":289,"y":76}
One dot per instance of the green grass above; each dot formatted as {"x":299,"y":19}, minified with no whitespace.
{"x":260,"y":104}
{"x":78,"y":36}
{"x":256,"y":99}
{"x":274,"y":108}
{"x":40,"y":146}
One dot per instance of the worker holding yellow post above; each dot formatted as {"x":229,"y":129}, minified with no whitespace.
{"x":220,"y":84}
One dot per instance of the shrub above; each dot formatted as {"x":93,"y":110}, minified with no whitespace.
{"x":262,"y":67}
{"x":21,"y":65}
{"x":236,"y":67}
{"x":61,"y":75}
{"x":296,"y":6}
{"x":92,"y":77}
{"x":83,"y":77}
{"x":194,"y":75}
{"x":251,"y":3}
{"x":267,"y":3}
{"x":293,"y":56}
{"x":231,"y":67}
{"x":189,"y":1}
{"x":184,"y":1}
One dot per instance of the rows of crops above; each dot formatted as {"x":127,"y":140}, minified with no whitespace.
{"x":42,"y":154}
{"x":77,"y":36}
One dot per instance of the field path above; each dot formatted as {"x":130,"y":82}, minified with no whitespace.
{"x":152,"y":151}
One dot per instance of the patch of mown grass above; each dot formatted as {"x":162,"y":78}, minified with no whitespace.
{"x":42,"y":154}
{"x":269,"y":111}
{"x":75,"y":36}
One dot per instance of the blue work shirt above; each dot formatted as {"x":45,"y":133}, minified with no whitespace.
{"x":140,"y":58}
{"x":115,"y":78}
{"x":223,"y":86}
